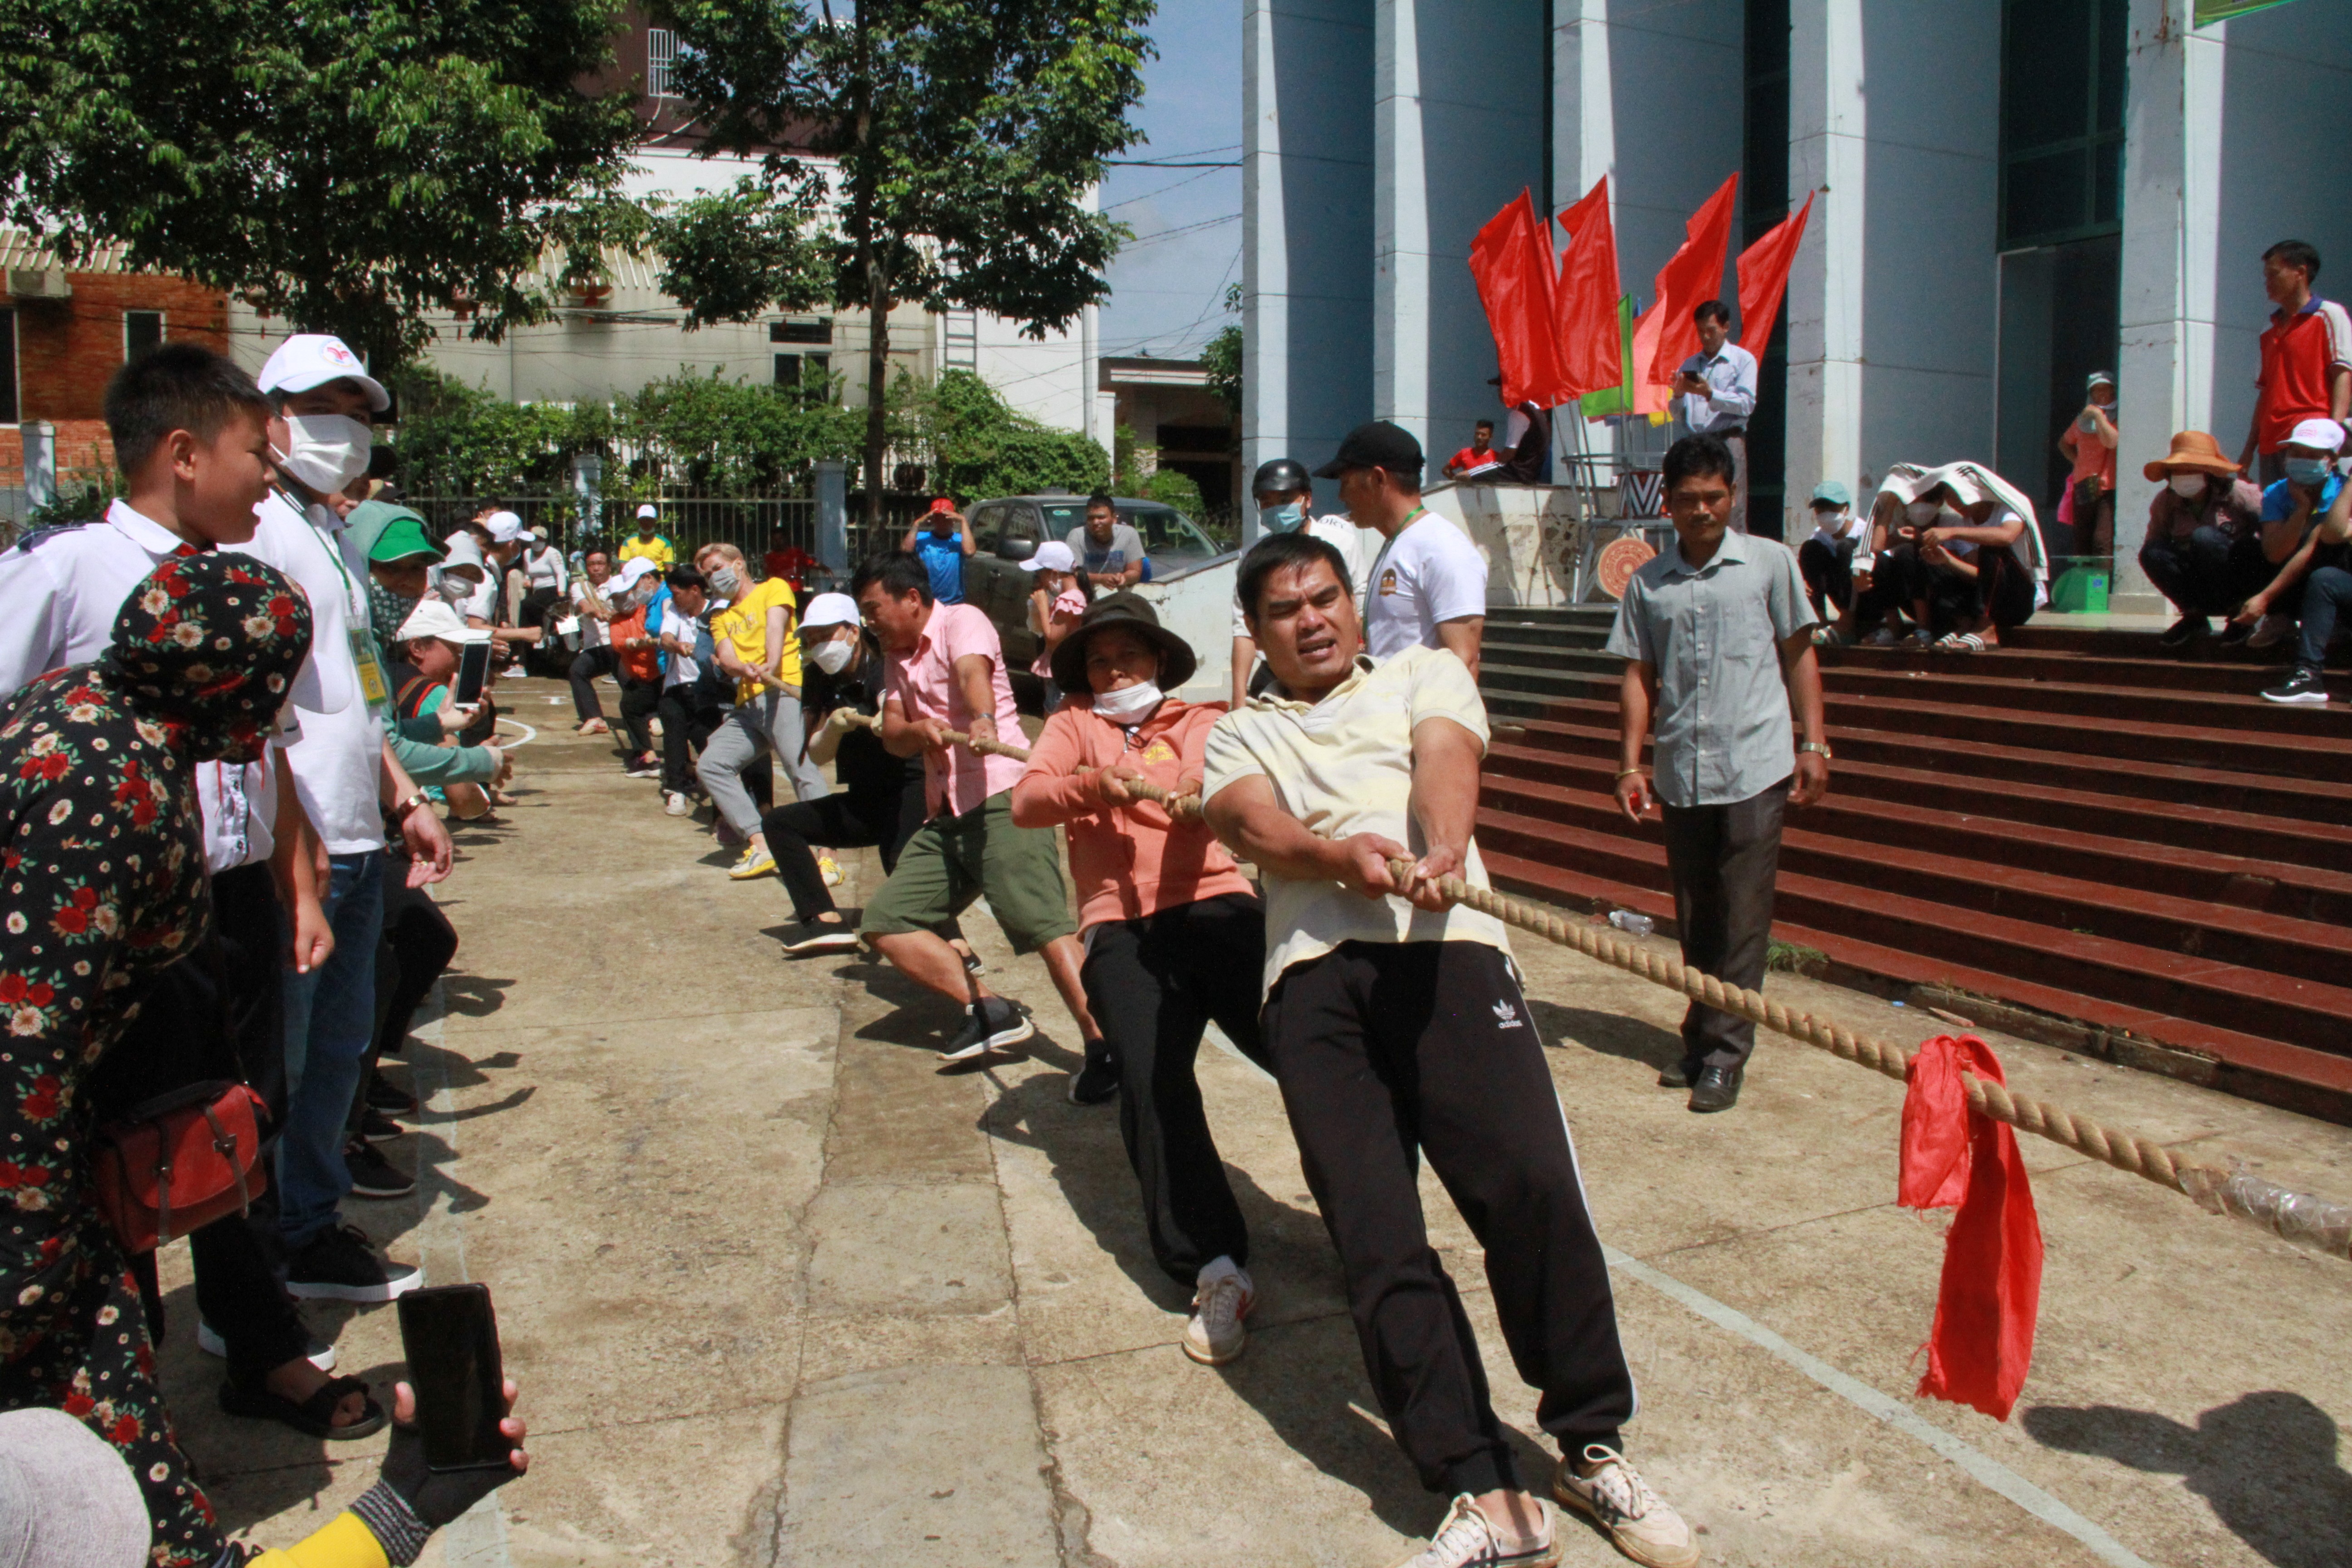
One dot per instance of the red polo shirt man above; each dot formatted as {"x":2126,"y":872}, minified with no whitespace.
{"x":2307,"y":367}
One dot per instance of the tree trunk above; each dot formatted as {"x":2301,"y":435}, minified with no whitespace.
{"x":877,"y":366}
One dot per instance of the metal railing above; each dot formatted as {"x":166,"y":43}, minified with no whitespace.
{"x":753,"y":524}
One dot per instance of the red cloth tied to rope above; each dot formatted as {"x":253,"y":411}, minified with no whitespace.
{"x":1983,"y":1339}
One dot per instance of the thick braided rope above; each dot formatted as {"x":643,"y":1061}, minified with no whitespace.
{"x":2142,"y":1157}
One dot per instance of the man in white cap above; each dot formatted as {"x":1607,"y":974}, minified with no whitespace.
{"x":646,"y":545}
{"x":319,"y":437}
{"x":2292,"y":509}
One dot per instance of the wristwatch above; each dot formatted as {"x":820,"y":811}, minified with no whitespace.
{"x":1820,"y":746}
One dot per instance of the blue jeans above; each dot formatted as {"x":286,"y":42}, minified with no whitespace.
{"x":330,"y":1018}
{"x":2326,"y":594}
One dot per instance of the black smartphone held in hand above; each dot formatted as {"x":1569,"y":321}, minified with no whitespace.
{"x":451,"y":1339}
{"x":473,"y":670}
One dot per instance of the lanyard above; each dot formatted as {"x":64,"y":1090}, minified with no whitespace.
{"x":1415,"y":515}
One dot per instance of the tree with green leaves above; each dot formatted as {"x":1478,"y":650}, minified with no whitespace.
{"x":939,"y":150}
{"x":346,"y":166}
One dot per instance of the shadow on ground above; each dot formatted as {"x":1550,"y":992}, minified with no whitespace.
{"x":1611,"y":1034}
{"x":2265,"y":1462}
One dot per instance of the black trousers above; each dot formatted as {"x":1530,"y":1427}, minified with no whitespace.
{"x":1388,"y":1050}
{"x":586,"y":665}
{"x":883,"y":819}
{"x":1154,"y":985}
{"x":2210,"y":572}
{"x":189,"y":1027}
{"x":639,"y":698}
{"x":685,"y":725}
{"x":1723,"y":860}
{"x":2002,"y":590}
{"x":1829,"y":574}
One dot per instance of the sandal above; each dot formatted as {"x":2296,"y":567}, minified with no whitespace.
{"x":313,"y":1417}
{"x":1831,"y":636}
{"x":1960,"y":642}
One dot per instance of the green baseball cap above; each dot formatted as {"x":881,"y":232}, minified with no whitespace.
{"x":399,"y":533}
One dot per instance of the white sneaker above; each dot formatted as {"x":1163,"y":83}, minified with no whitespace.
{"x":2275,"y":629}
{"x":320,"y":1354}
{"x":827,"y":867}
{"x":674,"y":804}
{"x":1643,"y":1525}
{"x":753,"y":863}
{"x":1466,"y":1540}
{"x":1216,"y":1335}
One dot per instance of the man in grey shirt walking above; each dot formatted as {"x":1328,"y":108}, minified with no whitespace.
{"x":1717,"y":641}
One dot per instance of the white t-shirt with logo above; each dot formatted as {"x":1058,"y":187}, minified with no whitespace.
{"x":1428,"y":574}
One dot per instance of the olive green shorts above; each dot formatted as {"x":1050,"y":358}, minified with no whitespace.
{"x":952,"y":860}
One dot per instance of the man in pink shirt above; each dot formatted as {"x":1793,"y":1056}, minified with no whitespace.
{"x":944,"y":669}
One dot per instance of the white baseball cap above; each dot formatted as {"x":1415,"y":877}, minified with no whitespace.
{"x":633,"y":570}
{"x":830,"y":610}
{"x":433,"y":618}
{"x":2319,"y":435}
{"x":465,"y":551}
{"x":313,"y":359}
{"x":504,"y":527}
{"x":1052,"y":556}
{"x":649,"y":510}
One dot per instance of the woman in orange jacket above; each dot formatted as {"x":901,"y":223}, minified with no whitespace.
{"x":1175,"y":938}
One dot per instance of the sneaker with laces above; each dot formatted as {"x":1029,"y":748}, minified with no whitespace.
{"x":318,"y":1353}
{"x":754,"y":862}
{"x":2275,"y":630}
{"x":992,"y":1024}
{"x":2304,"y":688}
{"x":1216,"y":1335}
{"x":674,"y":804}
{"x":1640,"y":1524}
{"x":643,"y":767}
{"x":820,"y":936}
{"x":384,"y":1095}
{"x":373,"y":1175}
{"x":830,"y":870}
{"x":1467,"y":1540}
{"x":339,"y":1264}
{"x":378,"y":1128}
{"x":2184,"y":631}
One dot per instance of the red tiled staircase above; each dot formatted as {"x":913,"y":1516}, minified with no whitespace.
{"x":2128,"y":852}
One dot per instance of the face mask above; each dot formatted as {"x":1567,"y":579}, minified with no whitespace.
{"x":454,"y":589}
{"x":2308,"y":470}
{"x":2189,"y":486}
{"x":1283,"y":519}
{"x":726,"y":581}
{"x":325,"y":451}
{"x":833,"y":656}
{"x":1129,"y":702}
{"x":1923,"y":513}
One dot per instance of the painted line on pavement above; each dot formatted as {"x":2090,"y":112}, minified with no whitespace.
{"x":477,"y":1538}
{"x":529,"y":734}
{"x":1983,"y":1466}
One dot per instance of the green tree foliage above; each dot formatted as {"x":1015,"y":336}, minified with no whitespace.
{"x":1222,"y":356}
{"x":346,"y":166}
{"x":962,"y":137}
{"x":980,"y":446}
{"x":1170,"y":487}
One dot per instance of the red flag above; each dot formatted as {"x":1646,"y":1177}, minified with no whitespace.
{"x":1693,"y":276}
{"x":1764,"y":278}
{"x":1591,"y":350}
{"x":1511,"y":259}
{"x":1982,"y":1342}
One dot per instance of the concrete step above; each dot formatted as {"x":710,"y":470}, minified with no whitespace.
{"x":2270,"y":1071}
{"x":2164,"y":672}
{"x":1992,"y":686}
{"x":2259,"y":1004}
{"x":1946,"y":859}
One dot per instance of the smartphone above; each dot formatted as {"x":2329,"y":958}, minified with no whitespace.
{"x":450,"y":1337}
{"x":473,"y":672}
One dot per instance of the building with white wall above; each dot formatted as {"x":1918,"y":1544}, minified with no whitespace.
{"x":2008,"y":193}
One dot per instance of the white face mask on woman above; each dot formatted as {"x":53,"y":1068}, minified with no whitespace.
{"x":1923,"y":513}
{"x":1129,"y":702}
{"x":2188,"y":487}
{"x":726,"y":581}
{"x":325,"y":451}
{"x":832,"y":654}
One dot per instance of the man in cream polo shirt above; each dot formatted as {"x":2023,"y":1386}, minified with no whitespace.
{"x":1397,"y":1028}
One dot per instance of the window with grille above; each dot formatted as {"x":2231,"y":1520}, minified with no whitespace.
{"x":962,"y":338}
{"x":661,"y":53}
{"x":141,"y":330}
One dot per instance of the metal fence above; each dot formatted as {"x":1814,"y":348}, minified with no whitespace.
{"x":753,"y":524}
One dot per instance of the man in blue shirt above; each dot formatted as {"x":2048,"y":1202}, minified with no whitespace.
{"x":942,"y":542}
{"x":2292,"y":508}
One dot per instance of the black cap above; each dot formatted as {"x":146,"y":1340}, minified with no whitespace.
{"x":1280,"y":476}
{"x":1133,"y":612}
{"x":1379,"y":445}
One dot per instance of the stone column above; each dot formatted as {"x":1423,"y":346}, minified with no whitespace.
{"x":1827,"y":123}
{"x":1400,"y":223}
{"x":1583,"y":149}
{"x":2172,"y":205}
{"x":1265,"y":258}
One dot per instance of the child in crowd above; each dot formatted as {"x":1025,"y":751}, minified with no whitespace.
{"x":1056,"y":607}
{"x":1174,"y":936}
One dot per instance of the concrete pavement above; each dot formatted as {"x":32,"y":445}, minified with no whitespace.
{"x":780,"y":1292}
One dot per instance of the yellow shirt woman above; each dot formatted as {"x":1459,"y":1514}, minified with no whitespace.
{"x":744,"y":624}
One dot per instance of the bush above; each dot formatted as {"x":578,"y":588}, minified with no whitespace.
{"x":979,"y":445}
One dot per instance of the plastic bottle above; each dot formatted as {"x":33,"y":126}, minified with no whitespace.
{"x":1631,"y":923}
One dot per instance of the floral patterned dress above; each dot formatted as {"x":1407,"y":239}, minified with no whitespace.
{"x":102,"y":882}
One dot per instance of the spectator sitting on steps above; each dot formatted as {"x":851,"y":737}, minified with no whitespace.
{"x":2292,"y":508}
{"x":1827,"y":560}
{"x":2327,"y":592}
{"x":2204,"y":549}
{"x":1959,"y":546}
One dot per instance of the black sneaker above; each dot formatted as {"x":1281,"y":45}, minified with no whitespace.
{"x":2304,"y":688}
{"x":803,"y":937}
{"x":378,"y":1128}
{"x":2183,"y":631}
{"x":1097,"y":1080}
{"x":2235,"y":633}
{"x":384,"y":1095}
{"x":373,"y":1175}
{"x":338,"y":1265}
{"x":644,"y":768}
{"x":992,"y":1024}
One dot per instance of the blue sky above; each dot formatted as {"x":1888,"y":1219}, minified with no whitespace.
{"x":1168,"y":286}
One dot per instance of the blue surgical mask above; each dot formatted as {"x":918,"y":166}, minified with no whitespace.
{"x":2308,"y":470}
{"x":1283,"y":519}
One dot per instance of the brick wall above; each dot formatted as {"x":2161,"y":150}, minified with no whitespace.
{"x":66,"y":350}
